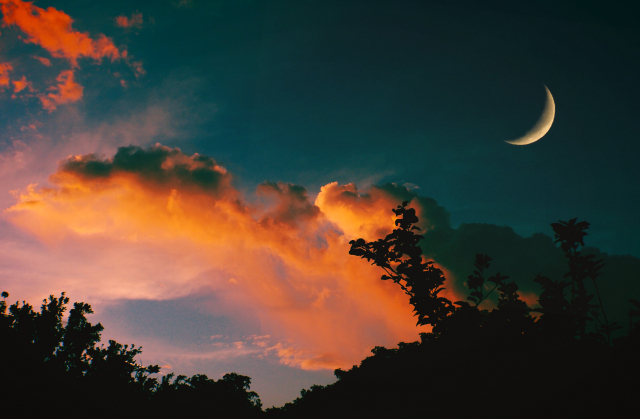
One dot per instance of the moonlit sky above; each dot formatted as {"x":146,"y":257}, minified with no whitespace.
{"x":194,"y":170}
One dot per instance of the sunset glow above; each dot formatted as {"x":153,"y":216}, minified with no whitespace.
{"x":196,"y":170}
{"x":291,"y":265}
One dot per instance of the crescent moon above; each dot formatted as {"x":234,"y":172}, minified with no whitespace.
{"x":542,"y":126}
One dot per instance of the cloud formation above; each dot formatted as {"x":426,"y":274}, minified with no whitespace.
{"x":44,"y":61}
{"x":159,"y":167}
{"x":21,"y":84}
{"x":176,"y":222}
{"x":53,"y":31}
{"x":5,"y":68}
{"x":286,"y":262}
{"x":134,"y":21}
{"x":18,"y":85}
{"x":65,"y":91}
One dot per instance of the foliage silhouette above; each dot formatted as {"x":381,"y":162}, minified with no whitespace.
{"x":401,"y":258}
{"x":501,"y":363}
{"x":45,"y":361}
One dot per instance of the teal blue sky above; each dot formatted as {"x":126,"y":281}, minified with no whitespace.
{"x":415,"y":92}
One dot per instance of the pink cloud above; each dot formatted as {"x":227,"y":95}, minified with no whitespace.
{"x":13,"y":157}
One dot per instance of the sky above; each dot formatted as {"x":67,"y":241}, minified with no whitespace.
{"x":194,"y":170}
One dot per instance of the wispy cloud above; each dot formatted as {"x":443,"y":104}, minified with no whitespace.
{"x":184,"y":3}
{"x":13,"y":158}
{"x":44,"y":61}
{"x":134,"y":21}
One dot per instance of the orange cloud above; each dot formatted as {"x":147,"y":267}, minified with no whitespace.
{"x":19,"y":85}
{"x":52,"y":30}
{"x":44,"y":61}
{"x":365,"y":215}
{"x":66,"y":91}
{"x":5,"y":68}
{"x":284,"y":263}
{"x":135,"y":21}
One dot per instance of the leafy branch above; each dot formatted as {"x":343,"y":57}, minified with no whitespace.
{"x":400,"y":256}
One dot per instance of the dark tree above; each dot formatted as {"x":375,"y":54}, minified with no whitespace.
{"x":44,"y":362}
{"x":476,"y":362}
{"x":401,"y":258}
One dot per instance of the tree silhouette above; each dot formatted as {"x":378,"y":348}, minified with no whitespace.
{"x":499,"y":363}
{"x":401,"y":258}
{"x":44,"y":360}
{"x":474,"y":361}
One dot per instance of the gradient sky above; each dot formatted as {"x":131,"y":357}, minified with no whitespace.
{"x":195,"y":169}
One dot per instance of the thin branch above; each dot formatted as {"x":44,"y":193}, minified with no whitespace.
{"x":603,"y":312}
{"x":483,"y":298}
{"x":393,"y":274}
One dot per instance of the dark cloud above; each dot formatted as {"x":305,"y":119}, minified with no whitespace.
{"x":521,"y":258}
{"x":161,"y":166}
{"x":432,"y":216}
{"x":293,"y":206}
